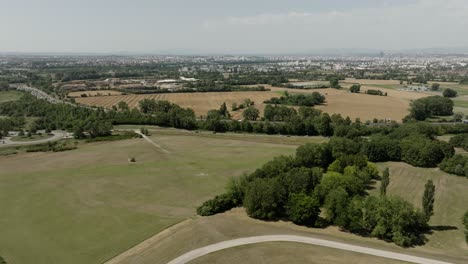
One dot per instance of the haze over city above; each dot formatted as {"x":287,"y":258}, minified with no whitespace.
{"x":210,"y":26}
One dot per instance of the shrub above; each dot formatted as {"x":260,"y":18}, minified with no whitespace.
{"x":450,"y":93}
{"x":219,"y":204}
{"x":355,"y":88}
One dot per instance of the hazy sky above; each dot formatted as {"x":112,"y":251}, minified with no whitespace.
{"x":233,"y":26}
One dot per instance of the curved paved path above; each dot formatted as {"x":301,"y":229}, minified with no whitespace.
{"x":300,"y":239}
{"x":58,"y":134}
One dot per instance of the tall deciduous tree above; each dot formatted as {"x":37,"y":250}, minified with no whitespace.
{"x":385,"y":182}
{"x":428,"y":199}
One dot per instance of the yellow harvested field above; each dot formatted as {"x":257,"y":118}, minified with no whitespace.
{"x":94,"y":93}
{"x":201,"y":103}
{"x":366,"y":107}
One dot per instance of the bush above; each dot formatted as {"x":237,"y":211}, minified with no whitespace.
{"x":219,"y":204}
{"x":355,"y":88}
{"x":375,"y":92}
{"x":450,"y":93}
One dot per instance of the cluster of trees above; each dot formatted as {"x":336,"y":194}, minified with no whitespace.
{"x":457,"y":164}
{"x":376,"y":92}
{"x":331,"y":177}
{"x":10,"y":124}
{"x":298,"y":99}
{"x":413,"y":143}
{"x":306,"y":121}
{"x":59,"y":116}
{"x":460,"y":141}
{"x":214,"y":86}
{"x":423,"y":108}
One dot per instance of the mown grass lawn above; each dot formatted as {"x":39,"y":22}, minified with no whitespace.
{"x":90,"y":204}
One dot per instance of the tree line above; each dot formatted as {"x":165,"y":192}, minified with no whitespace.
{"x":298,"y":99}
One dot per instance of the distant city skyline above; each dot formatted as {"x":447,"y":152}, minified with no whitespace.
{"x":231,"y":27}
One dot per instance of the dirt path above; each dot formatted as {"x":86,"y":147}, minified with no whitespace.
{"x":147,"y":243}
{"x":151,"y":141}
{"x":299,"y":239}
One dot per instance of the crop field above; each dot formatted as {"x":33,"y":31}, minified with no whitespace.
{"x":89,"y":204}
{"x":445,"y":241}
{"x":366,"y":107}
{"x":201,"y":103}
{"x":94,"y":93}
{"x":6,"y":96}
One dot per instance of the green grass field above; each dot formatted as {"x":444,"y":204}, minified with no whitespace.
{"x":6,"y":96}
{"x":462,"y":104}
{"x":90,"y":204}
{"x":451,"y":202}
{"x":446,"y":241}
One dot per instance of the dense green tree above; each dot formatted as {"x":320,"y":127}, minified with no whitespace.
{"x":224,"y":111}
{"x":435,"y":87}
{"x":303,"y":209}
{"x":334,"y":82}
{"x":301,"y":180}
{"x":122,"y":106}
{"x":265,"y":199}
{"x":450,"y":93}
{"x":428,"y":200}
{"x":323,"y":126}
{"x":336,"y":204}
{"x":251,"y":113}
{"x":313,"y":155}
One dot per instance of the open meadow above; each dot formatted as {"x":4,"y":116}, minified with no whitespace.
{"x":445,"y":242}
{"x":6,"y":96}
{"x":89,"y":204}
